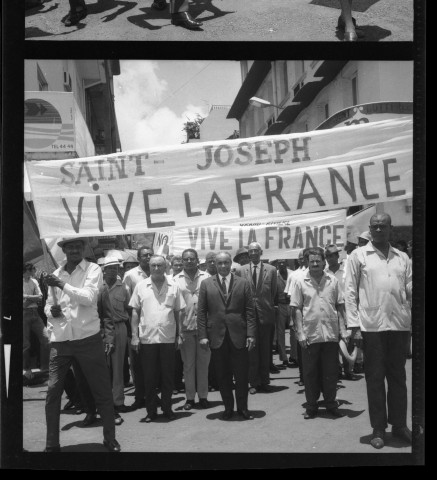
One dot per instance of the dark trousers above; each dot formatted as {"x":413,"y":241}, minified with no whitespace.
{"x":137,"y":369}
{"x":178,"y":370}
{"x":154,"y":356}
{"x":299,"y":361}
{"x":83,"y":389}
{"x":260,"y":356}
{"x":76,"y":3}
{"x":231,"y":362}
{"x":320,"y":374}
{"x":385,"y":357}
{"x":90,"y":355}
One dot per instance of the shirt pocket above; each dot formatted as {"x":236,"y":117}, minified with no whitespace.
{"x":170,"y":300}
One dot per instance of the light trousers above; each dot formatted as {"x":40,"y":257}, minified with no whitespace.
{"x":196,"y":362}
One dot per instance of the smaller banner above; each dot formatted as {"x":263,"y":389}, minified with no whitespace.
{"x":162,"y":243}
{"x":279,"y":237}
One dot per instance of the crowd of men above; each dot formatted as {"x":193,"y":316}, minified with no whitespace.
{"x":204,"y":325}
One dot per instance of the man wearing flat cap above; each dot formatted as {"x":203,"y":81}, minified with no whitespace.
{"x":74,"y":327}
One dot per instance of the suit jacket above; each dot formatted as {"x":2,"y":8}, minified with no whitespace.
{"x":265,"y":296}
{"x":215,"y":313}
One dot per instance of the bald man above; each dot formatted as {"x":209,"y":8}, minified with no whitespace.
{"x":378,"y":289}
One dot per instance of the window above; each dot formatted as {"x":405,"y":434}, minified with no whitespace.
{"x":354,"y":90}
{"x":42,"y":82}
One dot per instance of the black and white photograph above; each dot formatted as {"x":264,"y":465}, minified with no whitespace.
{"x":223,"y":235}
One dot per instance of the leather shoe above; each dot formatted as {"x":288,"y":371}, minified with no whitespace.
{"x":89,"y":419}
{"x":69,"y":405}
{"x":122,"y":408}
{"x":117,"y":419}
{"x":403,"y":433}
{"x":203,"y":403}
{"x":335,"y":412}
{"x":377,"y":440}
{"x":227,"y":414}
{"x":137,"y":404}
{"x":150,"y":417}
{"x":170,"y":415}
{"x":252,"y":390}
{"x":274,"y":369}
{"x":309,"y":415}
{"x":189,"y":404}
{"x":245,"y":414}
{"x":52,"y":449}
{"x":264,"y":388}
{"x":159,"y":5}
{"x":184,"y":19}
{"x":112,"y":446}
{"x":74,"y":18}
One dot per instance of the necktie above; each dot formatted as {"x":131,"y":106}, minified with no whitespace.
{"x":224,"y":286}
{"x":254,"y":276}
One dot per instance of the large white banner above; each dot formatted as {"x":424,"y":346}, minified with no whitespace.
{"x":224,"y":182}
{"x":280,"y":238}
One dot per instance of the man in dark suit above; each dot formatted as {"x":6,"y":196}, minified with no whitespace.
{"x":263,"y":280}
{"x":226,"y":324}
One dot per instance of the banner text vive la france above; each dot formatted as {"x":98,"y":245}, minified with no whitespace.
{"x":224,"y":182}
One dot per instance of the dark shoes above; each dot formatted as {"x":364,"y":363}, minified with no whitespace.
{"x":403,"y":433}
{"x":137,"y":404}
{"x":310,"y":414}
{"x":300,"y":383}
{"x":112,"y":446}
{"x":170,"y":415}
{"x":117,"y":419}
{"x":203,"y":403}
{"x":377,"y":440}
{"x":56,"y":449}
{"x":227,"y":414}
{"x":69,"y":405}
{"x":122,"y":408}
{"x":159,"y":5}
{"x":264,"y":388}
{"x":189,"y":404}
{"x":74,"y":18}
{"x":349,"y":376}
{"x":252,"y":390}
{"x":150,"y":417}
{"x":335,"y":412}
{"x":89,"y":420}
{"x":184,"y":19}
{"x":274,"y":369}
{"x":245,"y":414}
{"x":358,"y":368}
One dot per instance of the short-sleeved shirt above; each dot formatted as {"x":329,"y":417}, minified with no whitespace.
{"x":190,"y":291}
{"x":30,"y":287}
{"x":157,"y":319}
{"x":318,"y":304}
{"x":133,"y":277}
{"x":340,"y":275}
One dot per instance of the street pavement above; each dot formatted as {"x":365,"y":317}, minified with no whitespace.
{"x":230,"y":20}
{"x":278,"y":425}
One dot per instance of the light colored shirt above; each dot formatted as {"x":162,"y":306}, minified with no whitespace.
{"x":157,"y":319}
{"x":30,"y":287}
{"x":190,"y":291}
{"x":133,"y":277}
{"x":378,"y":290}
{"x":301,"y":271}
{"x":340,"y":275}
{"x":78,"y":301}
{"x":318,"y":303}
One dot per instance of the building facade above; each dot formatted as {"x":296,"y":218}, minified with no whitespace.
{"x":302,"y":94}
